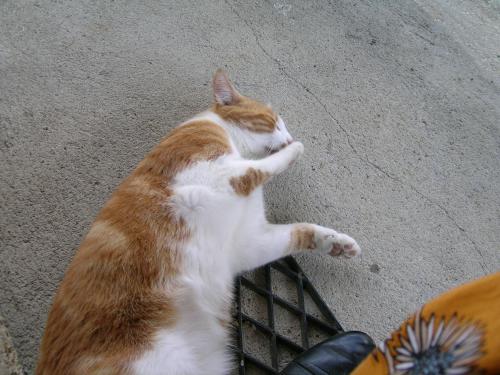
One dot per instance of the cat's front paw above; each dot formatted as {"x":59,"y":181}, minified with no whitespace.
{"x":297,"y":147}
{"x":295,"y":150}
{"x":336,"y":244}
{"x":344,"y":245}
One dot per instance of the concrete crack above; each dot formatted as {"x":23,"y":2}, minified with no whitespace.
{"x":364,"y":159}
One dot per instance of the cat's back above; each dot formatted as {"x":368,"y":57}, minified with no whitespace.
{"x":120,"y":289}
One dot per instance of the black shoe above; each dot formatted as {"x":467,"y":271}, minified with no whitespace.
{"x":338,"y":355}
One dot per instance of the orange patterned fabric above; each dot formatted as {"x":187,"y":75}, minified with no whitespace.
{"x":456,"y":333}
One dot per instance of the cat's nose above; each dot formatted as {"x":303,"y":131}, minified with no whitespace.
{"x":289,"y":141}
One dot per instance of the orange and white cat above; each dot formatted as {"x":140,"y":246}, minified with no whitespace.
{"x":149,"y":290}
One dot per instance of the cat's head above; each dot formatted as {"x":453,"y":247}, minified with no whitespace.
{"x":255,"y":128}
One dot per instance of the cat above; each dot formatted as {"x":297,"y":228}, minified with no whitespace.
{"x":150,"y":288}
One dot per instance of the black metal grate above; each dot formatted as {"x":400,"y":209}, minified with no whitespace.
{"x":263,"y":345}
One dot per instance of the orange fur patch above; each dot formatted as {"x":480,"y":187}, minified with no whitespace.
{"x":198,"y":140}
{"x":249,"y":114}
{"x":303,"y":237}
{"x":112,"y":298}
{"x":244,"y":185}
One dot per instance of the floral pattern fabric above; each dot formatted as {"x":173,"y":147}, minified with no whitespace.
{"x":457,"y":333}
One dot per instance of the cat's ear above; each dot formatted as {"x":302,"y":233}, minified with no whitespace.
{"x":224,"y":91}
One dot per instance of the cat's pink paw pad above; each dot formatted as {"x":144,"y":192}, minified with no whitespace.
{"x":351,"y":250}
{"x":336,"y":250}
{"x":344,"y":245}
{"x":335,"y":244}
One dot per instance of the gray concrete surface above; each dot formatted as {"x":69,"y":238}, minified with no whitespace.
{"x":9,"y":364}
{"x":397,"y":103}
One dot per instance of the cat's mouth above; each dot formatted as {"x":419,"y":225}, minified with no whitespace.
{"x":280,"y":147}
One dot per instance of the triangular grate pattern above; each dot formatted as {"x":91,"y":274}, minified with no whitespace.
{"x":278,"y":315}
